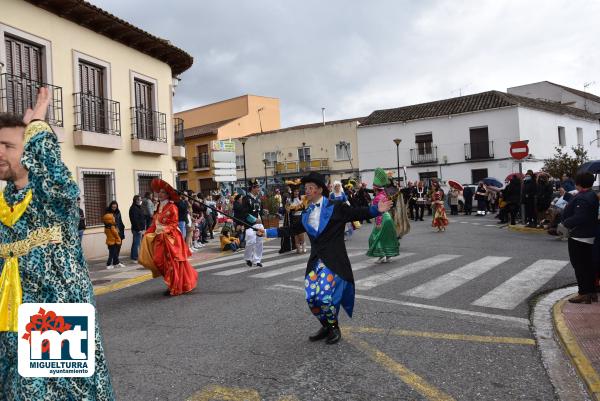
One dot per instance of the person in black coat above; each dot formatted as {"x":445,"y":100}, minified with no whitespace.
{"x":543,"y":197}
{"x":512,"y":197}
{"x":580,"y":218}
{"x":529,"y":193}
{"x":329,"y":281}
{"x":468,"y":196}
{"x":138,"y":225}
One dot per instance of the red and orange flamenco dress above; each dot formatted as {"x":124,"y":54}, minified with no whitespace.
{"x":165,"y":252}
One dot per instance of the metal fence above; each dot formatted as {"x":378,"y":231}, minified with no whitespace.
{"x":96,"y":114}
{"x":148,"y":124}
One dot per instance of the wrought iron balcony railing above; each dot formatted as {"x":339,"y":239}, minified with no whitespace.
{"x":148,"y":124}
{"x":302,"y":166}
{"x":202,"y":161}
{"x":17,"y":94}
{"x":178,"y":132}
{"x":96,"y":114}
{"x":425,"y":155}
{"x":479,"y":150}
{"x":182,"y":165}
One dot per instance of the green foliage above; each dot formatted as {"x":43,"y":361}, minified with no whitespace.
{"x":271,"y":204}
{"x":563,"y":162}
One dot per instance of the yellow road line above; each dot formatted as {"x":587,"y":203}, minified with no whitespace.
{"x":213,"y":393}
{"x":122,"y":284}
{"x":414,"y":381}
{"x":444,"y":336}
{"x":581,"y":362}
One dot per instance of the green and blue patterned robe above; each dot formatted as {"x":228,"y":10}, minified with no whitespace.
{"x":49,"y":273}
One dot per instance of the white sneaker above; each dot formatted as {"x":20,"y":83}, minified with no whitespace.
{"x":110,"y":267}
{"x":120,"y":265}
{"x":381,"y":259}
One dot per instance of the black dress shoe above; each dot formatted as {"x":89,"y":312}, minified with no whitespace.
{"x":335,"y":335}
{"x":167,"y":293}
{"x":322,"y":334}
{"x":259,"y":265}
{"x":249,"y":263}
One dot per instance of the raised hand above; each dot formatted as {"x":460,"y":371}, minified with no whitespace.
{"x":384,"y":205}
{"x":41,"y":107}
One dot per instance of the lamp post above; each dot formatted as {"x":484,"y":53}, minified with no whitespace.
{"x":265,"y":161}
{"x":397,"y":142}
{"x":243,"y":141}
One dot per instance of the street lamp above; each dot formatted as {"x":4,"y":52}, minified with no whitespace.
{"x":397,"y":142}
{"x":243,"y":141}
{"x":265,"y":161}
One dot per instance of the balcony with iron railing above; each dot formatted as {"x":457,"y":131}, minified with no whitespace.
{"x":289,"y":167}
{"x":182,"y":166}
{"x":97,"y":122}
{"x":424,"y":155}
{"x":17,"y":94}
{"x":148,"y":131}
{"x":178,"y":148}
{"x":479,"y":150}
{"x":202,"y":161}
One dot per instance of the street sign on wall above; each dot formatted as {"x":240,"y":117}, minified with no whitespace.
{"x":227,"y":157}
{"x":519,"y":149}
{"x":222,"y":146}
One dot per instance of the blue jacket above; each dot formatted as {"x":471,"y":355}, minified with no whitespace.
{"x":581,"y":215}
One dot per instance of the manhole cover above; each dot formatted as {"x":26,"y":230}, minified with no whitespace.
{"x":98,"y":282}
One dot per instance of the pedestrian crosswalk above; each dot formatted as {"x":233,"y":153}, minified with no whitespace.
{"x":506,"y":288}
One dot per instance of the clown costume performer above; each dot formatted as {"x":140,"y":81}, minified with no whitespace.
{"x":41,"y":260}
{"x":440,"y":220}
{"x":329,"y":282}
{"x":383,"y":242}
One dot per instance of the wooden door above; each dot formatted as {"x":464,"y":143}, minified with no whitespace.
{"x":93,"y":110}
{"x":144,"y":117}
{"x":24,"y":69}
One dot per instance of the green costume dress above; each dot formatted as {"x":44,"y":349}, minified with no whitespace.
{"x":51,"y":267}
{"x":384,"y":239}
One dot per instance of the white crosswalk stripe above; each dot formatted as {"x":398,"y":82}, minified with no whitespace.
{"x":402,"y":271}
{"x":238,"y":259}
{"x":289,"y":269}
{"x":231,"y":272}
{"x":516,"y":289}
{"x":455,"y":278}
{"x":369,"y":263}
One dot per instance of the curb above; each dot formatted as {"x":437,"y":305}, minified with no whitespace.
{"x":527,"y":229}
{"x":583,"y":365}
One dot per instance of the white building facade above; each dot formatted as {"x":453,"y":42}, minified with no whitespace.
{"x":468,"y":138}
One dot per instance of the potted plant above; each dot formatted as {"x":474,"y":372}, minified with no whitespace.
{"x":270,"y":206}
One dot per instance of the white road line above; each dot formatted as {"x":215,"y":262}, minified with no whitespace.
{"x":292,"y":268}
{"x":490,"y":225}
{"x":510,"y":319}
{"x":516,"y":289}
{"x":369,"y":263}
{"x":231,"y":272}
{"x":446,"y":283}
{"x":476,"y":224}
{"x":463,"y":222}
{"x":234,"y":256}
{"x":239,"y":259}
{"x":402,"y":271}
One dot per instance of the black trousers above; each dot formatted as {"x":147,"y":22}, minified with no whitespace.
{"x":419,"y":210}
{"x":581,"y":255}
{"x":113,"y":254}
{"x":530,"y":216}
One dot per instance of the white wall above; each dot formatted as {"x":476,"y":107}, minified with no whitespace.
{"x":548,"y":91}
{"x":450,"y":134}
{"x":377,"y":149}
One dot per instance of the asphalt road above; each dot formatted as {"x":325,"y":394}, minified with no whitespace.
{"x":465,"y":336}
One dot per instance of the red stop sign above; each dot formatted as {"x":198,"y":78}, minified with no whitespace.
{"x":519,"y":150}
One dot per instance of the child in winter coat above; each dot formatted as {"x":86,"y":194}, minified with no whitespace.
{"x":254,"y":246}
{"x":228,"y":242}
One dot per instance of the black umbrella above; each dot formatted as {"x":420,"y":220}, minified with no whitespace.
{"x":590,"y":167}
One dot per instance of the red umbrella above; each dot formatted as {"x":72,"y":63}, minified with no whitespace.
{"x":510,"y":176}
{"x":455,"y":185}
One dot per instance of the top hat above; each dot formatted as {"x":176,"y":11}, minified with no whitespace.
{"x":316,"y":179}
{"x":157,"y":184}
{"x":253,"y":183}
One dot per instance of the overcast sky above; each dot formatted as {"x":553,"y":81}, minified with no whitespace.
{"x":353,"y":57}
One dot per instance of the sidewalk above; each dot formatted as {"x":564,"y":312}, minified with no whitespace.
{"x":578,"y":327}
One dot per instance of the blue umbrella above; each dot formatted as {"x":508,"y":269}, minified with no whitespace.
{"x":590,"y":167}
{"x":493,"y":182}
